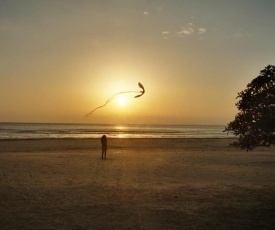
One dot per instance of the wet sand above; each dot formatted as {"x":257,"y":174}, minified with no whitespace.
{"x":143,"y":184}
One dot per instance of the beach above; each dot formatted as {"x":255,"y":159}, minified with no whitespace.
{"x":143,"y":184}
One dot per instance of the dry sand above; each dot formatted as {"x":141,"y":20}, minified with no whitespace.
{"x":143,"y":184}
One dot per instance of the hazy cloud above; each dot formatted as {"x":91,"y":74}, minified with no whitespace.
{"x":186,"y":31}
{"x":202,"y":30}
{"x":240,"y":33}
{"x":145,"y":13}
{"x":165,"y":34}
{"x":191,"y":29}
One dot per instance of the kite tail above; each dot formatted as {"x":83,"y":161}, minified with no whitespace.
{"x":109,"y":100}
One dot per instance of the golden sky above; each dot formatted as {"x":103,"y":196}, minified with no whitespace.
{"x":62,"y":59}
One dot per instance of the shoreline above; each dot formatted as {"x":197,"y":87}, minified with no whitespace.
{"x":86,"y":144}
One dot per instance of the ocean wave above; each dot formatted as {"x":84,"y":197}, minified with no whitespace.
{"x":44,"y":131}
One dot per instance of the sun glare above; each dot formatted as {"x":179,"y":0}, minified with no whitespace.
{"x":121,"y":100}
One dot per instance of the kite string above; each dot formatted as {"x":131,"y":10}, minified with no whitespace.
{"x":109,"y":100}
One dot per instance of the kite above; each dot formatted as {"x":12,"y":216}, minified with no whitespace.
{"x":143,"y":90}
{"x":114,"y":95}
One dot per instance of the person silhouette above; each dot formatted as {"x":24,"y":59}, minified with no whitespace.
{"x":104,"y":146}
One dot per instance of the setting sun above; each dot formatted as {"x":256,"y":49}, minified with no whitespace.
{"x":121,"y":101}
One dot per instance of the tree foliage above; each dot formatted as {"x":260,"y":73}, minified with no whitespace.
{"x":254,"y":125}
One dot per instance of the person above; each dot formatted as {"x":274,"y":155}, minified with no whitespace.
{"x":104,"y":146}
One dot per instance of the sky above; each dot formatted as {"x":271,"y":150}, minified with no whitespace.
{"x":61,"y":59}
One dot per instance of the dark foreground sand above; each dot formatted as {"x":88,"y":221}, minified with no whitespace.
{"x":143,"y":184}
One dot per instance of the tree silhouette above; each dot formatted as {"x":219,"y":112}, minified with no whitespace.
{"x":255,"y":123}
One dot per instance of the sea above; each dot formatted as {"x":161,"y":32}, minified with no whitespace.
{"x":79,"y":131}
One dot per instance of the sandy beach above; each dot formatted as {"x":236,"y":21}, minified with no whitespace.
{"x":143,"y":184}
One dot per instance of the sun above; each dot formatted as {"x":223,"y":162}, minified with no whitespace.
{"x":121,"y":101}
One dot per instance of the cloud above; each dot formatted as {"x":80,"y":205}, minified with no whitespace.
{"x":145,"y":13}
{"x":240,"y":34}
{"x":186,"y":31}
{"x":165,"y":34}
{"x":201,"y":31}
{"x":191,"y":29}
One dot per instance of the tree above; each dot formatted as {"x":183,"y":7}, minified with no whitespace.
{"x":255,"y":123}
